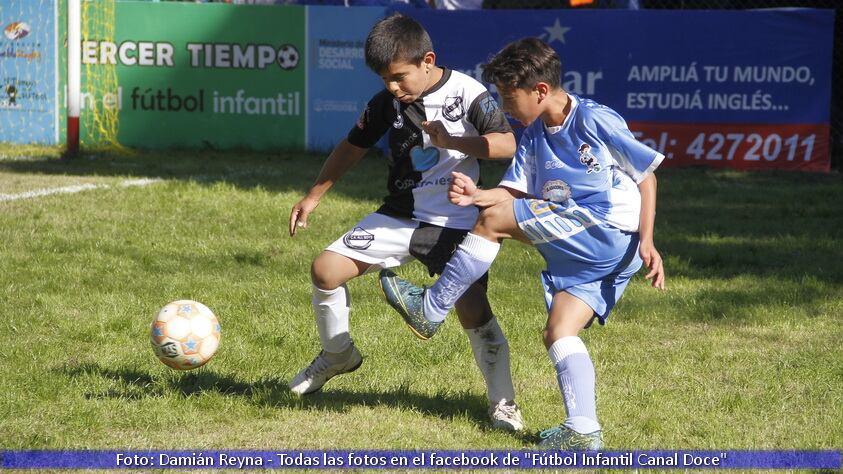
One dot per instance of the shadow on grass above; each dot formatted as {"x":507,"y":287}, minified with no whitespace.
{"x":276,"y":172}
{"x":134,"y":384}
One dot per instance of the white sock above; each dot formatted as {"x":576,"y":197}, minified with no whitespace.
{"x":575,"y":374}
{"x":491,"y":352}
{"x":331,"y":308}
{"x":472,"y":259}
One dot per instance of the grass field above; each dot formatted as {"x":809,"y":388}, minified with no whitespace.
{"x":743,"y":351}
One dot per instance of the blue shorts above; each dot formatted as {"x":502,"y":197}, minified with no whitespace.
{"x":585,"y":257}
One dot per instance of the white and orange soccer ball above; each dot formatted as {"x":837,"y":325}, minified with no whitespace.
{"x":185,"y":334}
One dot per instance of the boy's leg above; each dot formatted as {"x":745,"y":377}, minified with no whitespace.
{"x":491,"y":353}
{"x":472,"y":258}
{"x":425,"y":312}
{"x":374,"y":242}
{"x":574,"y":373}
{"x":433,"y":246}
{"x":329,"y":273}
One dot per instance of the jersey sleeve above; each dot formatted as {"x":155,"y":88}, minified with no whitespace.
{"x":373,"y":123}
{"x":521,"y":173}
{"x":486,"y":115}
{"x":630,"y":155}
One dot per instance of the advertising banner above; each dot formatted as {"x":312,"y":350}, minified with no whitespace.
{"x":28,"y":72}
{"x":339,"y":83}
{"x":742,"y":89}
{"x":194,"y":75}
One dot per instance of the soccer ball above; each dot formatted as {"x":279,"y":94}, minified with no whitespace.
{"x":185,"y":334}
{"x":288,"y":57}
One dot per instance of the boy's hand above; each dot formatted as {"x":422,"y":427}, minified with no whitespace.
{"x":439,"y":135}
{"x":462,"y":189}
{"x":653,"y":262}
{"x":302,"y":209}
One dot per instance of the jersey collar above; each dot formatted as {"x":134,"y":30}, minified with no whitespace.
{"x":559,"y":128}
{"x":446,"y":74}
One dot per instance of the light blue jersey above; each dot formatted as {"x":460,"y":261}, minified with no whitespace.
{"x":584,"y":219}
{"x":592,"y":160}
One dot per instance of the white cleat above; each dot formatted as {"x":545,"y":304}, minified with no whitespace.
{"x":506,"y":416}
{"x":322,"y":369}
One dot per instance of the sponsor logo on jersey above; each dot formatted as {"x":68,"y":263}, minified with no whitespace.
{"x":540,"y":207}
{"x":453,"y":108}
{"x":556,"y":191}
{"x":553,"y":164}
{"x":358,"y":239}
{"x":424,"y":158}
{"x":588,"y":159}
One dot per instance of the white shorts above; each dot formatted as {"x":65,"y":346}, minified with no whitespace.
{"x":386,"y":242}
{"x":380,"y":240}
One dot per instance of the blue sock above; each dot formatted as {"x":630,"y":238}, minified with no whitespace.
{"x":472,"y":259}
{"x":575,"y":374}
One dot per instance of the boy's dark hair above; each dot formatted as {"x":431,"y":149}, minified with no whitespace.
{"x":524,"y":63}
{"x":396,"y":38}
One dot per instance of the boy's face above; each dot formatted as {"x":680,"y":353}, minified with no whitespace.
{"x":521,"y":104}
{"x":408,"y":81}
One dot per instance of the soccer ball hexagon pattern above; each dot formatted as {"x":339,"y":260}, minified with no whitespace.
{"x":288,"y":57}
{"x":185,"y":334}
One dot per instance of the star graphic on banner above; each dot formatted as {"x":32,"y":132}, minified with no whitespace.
{"x":556,"y":32}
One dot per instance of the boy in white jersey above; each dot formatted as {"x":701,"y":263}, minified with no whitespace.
{"x":439,"y":121}
{"x":581,"y":189}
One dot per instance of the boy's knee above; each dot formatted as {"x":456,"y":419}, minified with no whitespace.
{"x":321,"y":274}
{"x":488,"y":223}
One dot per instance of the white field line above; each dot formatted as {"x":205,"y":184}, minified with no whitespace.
{"x":76,"y":189}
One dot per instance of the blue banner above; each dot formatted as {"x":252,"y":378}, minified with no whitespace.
{"x":420,"y":459}
{"x":28,"y":72}
{"x":651,"y":65}
{"x":666,"y":72}
{"x":339,"y":84}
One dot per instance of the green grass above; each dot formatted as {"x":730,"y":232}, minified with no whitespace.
{"x":743,"y":351}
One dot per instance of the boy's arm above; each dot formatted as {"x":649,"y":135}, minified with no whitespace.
{"x":463,"y":192}
{"x":493,"y":145}
{"x":342,"y":158}
{"x":647,"y":249}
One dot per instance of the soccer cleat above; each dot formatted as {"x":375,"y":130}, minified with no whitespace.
{"x":562,"y":438}
{"x":408,"y":300}
{"x":506,"y":415}
{"x":321,"y":369}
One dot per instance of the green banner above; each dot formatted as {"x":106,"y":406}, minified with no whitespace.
{"x":201,"y":75}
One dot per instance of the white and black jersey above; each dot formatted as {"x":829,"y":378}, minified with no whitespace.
{"x":419,"y":173}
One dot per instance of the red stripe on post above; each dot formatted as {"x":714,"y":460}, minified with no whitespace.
{"x":72,"y":136}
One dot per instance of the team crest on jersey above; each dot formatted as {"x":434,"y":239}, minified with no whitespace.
{"x":556,"y":191}
{"x":358,"y":239}
{"x":453,"y":108}
{"x":589,"y":159}
{"x":399,"y":119}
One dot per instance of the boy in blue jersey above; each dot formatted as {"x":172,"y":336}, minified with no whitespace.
{"x":581,"y":189}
